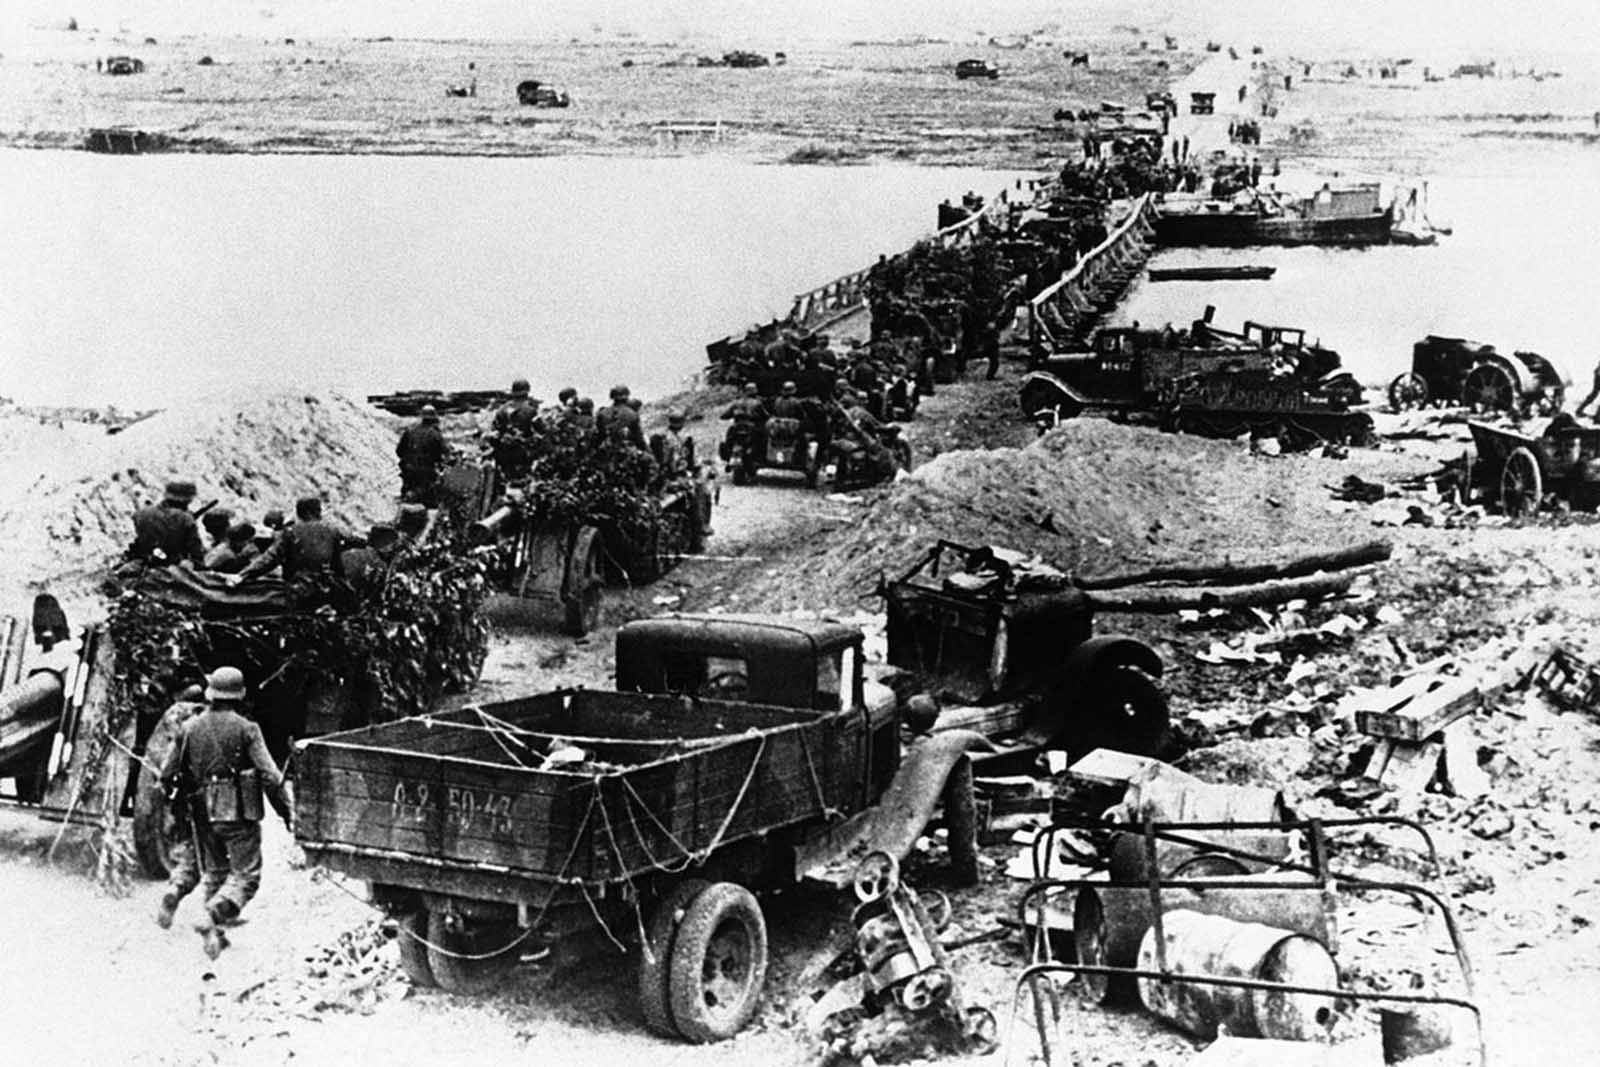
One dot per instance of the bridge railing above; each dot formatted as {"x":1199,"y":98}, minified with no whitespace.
{"x":1061,"y":309}
{"x":816,"y":309}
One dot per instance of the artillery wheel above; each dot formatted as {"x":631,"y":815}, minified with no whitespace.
{"x":411,"y":940}
{"x":471,"y":956}
{"x":155,"y":830}
{"x":901,"y":451}
{"x":1521,"y":485}
{"x":1489,"y":388}
{"x":585,"y":586}
{"x":718,"y":964}
{"x":1127,"y":712}
{"x":1408,"y":391}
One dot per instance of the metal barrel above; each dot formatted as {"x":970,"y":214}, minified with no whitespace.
{"x":29,"y":712}
{"x":1211,"y":945}
{"x":1109,"y":922}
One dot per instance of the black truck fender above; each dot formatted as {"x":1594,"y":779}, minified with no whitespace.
{"x":1086,"y":662}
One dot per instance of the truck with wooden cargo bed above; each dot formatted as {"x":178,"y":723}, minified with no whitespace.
{"x":737,"y":754}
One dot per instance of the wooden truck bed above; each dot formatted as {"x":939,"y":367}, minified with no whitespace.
{"x":458,"y":802}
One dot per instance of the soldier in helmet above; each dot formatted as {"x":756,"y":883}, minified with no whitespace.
{"x":166,"y":533}
{"x":220,"y":768}
{"x":237,"y":549}
{"x":678,"y":468}
{"x":422,"y":451}
{"x":308,"y":549}
{"x":619,"y":423}
{"x":513,"y":434}
{"x":215,"y":523}
{"x":788,"y":404}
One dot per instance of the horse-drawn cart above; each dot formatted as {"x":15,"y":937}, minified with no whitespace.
{"x":1517,"y":470}
{"x":1452,"y":370}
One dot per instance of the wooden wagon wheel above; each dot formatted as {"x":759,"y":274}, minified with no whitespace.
{"x":584,"y":586}
{"x":1489,"y":388}
{"x":1408,"y":391}
{"x":1521,"y":484}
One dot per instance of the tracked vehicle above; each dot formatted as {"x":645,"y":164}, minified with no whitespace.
{"x":1265,"y":380}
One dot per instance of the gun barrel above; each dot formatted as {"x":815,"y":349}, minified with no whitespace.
{"x":488,"y":528}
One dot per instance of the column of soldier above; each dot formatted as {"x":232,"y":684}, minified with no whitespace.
{"x":217,"y":540}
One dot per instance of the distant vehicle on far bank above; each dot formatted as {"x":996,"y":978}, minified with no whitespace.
{"x":124,"y":65}
{"x":977,"y":68}
{"x":533,"y":93}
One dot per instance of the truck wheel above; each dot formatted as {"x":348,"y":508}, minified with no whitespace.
{"x":473,"y":958}
{"x":655,"y":955}
{"x":413,"y":950}
{"x":718,"y":964}
{"x":1127,"y":712}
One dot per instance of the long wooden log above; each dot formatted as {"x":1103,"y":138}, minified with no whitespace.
{"x":1240,"y":573}
{"x":1167,"y":601}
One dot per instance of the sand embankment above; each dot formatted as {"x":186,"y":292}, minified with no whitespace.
{"x":67,"y":499}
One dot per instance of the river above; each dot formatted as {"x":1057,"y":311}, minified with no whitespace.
{"x":138,"y":281}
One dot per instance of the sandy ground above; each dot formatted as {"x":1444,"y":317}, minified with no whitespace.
{"x":835,"y":104}
{"x":308,"y":982}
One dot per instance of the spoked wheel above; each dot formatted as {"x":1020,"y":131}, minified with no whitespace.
{"x":1489,"y":388}
{"x":1408,"y":392}
{"x":471,"y":956}
{"x":414,"y":950}
{"x":585,"y":587}
{"x":718,"y":964}
{"x":155,"y":830}
{"x":1521,"y":484}
{"x":901,"y":449}
{"x":875,"y":876}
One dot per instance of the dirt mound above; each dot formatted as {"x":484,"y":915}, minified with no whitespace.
{"x":65,"y":519}
{"x":1091,"y":497}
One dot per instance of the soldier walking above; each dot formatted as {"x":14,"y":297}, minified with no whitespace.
{"x":219,"y":771}
{"x":422,"y":451}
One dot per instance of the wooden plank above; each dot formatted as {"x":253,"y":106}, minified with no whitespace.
{"x":1422,"y":715}
{"x":1462,"y":775}
{"x":1412,"y":766}
{"x":1378,"y":760}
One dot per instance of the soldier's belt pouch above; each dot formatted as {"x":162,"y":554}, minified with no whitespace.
{"x":235,"y":798}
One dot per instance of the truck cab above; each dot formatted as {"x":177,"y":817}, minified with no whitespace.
{"x":810,"y":664}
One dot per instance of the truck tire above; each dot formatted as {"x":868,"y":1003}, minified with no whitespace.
{"x":474,"y":958}
{"x":655,"y":955}
{"x":414,"y":950}
{"x":718,"y":964}
{"x":1128,"y":712}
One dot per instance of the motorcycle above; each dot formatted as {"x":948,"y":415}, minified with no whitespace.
{"x":862,"y":459}
{"x":740,"y":450}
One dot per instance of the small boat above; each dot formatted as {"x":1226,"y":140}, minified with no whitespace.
{"x":1245,"y":273}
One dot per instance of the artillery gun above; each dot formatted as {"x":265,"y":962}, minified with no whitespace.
{"x":566,"y":557}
